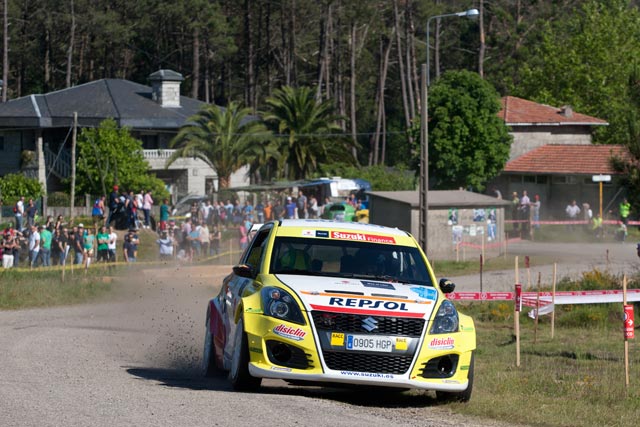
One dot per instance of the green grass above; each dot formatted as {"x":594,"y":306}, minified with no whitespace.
{"x":22,"y":288}
{"x":445,"y":268}
{"x":575,"y":379}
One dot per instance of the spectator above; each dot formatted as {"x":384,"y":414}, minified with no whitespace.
{"x":8,"y":244}
{"x":103,"y":244}
{"x":130,"y":246}
{"x":596,"y":226}
{"x":88,"y":247}
{"x":536,"y":210}
{"x":114,"y":201}
{"x":32,"y":211}
{"x":164,"y":214}
{"x":78,"y":243}
{"x":34,"y":246}
{"x":97,"y":213}
{"x":572,"y":210}
{"x":260,"y":212}
{"x":165,"y":243}
{"x":243,"y":235}
{"x":625,"y":210}
{"x":194,"y":239}
{"x":111,"y":246}
{"x":203,"y":236}
{"x":302,"y":205}
{"x":46,"y":238}
{"x":215,"y":237}
{"x":59,"y":246}
{"x":18,"y":211}
{"x":59,"y":222}
{"x":621,"y":231}
{"x":268,"y":211}
{"x":278,"y":211}
{"x":290,"y":209}
{"x":313,"y":207}
{"x":147,"y":205}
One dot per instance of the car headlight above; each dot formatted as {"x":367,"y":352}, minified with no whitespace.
{"x":446,"y":320}
{"x":279,"y":304}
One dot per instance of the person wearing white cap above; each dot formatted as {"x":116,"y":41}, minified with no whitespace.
{"x":290,"y":209}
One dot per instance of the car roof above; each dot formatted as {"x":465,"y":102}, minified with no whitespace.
{"x":323,"y":224}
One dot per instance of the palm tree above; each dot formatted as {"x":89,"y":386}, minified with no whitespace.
{"x":307,"y":125}
{"x":224,"y":138}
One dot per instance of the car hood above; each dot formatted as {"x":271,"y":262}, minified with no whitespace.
{"x":359,"y":296}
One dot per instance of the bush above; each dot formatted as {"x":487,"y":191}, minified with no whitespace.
{"x":15,"y":185}
{"x":59,"y":199}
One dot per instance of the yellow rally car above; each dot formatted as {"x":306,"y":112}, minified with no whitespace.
{"x":316,"y":301}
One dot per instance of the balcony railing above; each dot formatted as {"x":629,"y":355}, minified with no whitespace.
{"x":158,"y":154}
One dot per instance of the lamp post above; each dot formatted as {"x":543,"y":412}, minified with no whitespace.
{"x":424,"y":134}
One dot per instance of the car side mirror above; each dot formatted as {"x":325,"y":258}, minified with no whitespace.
{"x":244,"y":270}
{"x":447,"y":286}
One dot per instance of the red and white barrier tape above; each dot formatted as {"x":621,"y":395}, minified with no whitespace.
{"x":562,"y":297}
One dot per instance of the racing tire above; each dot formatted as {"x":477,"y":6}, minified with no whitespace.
{"x":459,"y":396}
{"x":239,"y":376}
{"x":209,"y":367}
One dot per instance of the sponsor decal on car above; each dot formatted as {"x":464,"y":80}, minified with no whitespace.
{"x":379,"y":285}
{"x":442,"y":343}
{"x":337,"y":339}
{"x":322,"y":233}
{"x":367,"y":375}
{"x":288,"y":332}
{"x":375,"y":238}
{"x":368,"y":303}
{"x":255,"y":350}
{"x":426,"y":293}
{"x":308,"y":233}
{"x":277,"y":368}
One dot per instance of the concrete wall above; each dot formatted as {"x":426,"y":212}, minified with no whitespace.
{"x":527,"y":138}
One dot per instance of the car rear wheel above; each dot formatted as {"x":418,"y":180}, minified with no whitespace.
{"x":209,"y":368}
{"x":459,"y":396}
{"x":239,"y":375}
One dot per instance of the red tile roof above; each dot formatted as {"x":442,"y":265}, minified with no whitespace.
{"x":568,"y":159}
{"x":519,"y":112}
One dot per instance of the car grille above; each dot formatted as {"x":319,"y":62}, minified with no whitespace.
{"x":396,"y":364}
{"x":352,"y":323}
{"x":362,"y":362}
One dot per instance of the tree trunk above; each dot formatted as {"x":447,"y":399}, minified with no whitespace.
{"x":5,"y":50}
{"x":411,"y":63}
{"x":196,"y":63}
{"x":352,"y":89}
{"x":72,"y":39}
{"x":483,"y":46}
{"x":249,"y":66}
{"x":403,"y":82}
{"x":436,"y":52}
{"x":384,"y":66}
{"x":47,"y":59}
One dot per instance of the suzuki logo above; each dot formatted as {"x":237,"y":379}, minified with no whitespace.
{"x":369,"y":324}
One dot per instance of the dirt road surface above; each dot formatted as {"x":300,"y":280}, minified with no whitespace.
{"x":133,"y":361}
{"x":572,"y":260}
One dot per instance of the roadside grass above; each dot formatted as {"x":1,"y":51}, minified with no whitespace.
{"x":575,"y":379}
{"x":448,"y":268}
{"x":22,"y":288}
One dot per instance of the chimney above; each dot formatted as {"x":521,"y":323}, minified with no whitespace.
{"x":165,"y":88}
{"x":566,"y":111}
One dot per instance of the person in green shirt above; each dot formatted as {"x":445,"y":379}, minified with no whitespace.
{"x":103,"y":244}
{"x":88,"y":242}
{"x":164,"y":214}
{"x":45,"y":246}
{"x":625,"y":210}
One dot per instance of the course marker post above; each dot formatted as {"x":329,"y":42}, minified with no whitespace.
{"x":516,"y":317}
{"x":628,"y":328}
{"x":553,"y":299}
{"x":535,"y":328}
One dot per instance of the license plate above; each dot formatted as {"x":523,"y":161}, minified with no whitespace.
{"x":370,"y":343}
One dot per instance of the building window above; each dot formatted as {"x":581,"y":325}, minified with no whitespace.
{"x":149,"y":142}
{"x":563,"y":179}
{"x":541,"y":179}
{"x":1,"y":143}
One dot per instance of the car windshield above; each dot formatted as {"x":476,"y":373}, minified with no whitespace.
{"x":348,"y":259}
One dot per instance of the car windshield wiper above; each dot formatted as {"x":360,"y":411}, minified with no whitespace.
{"x":383,"y":277}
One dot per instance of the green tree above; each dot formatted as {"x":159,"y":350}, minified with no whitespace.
{"x":224,"y":138}
{"x":308,"y":129}
{"x":585,"y":61}
{"x":468,"y":143}
{"x":109,"y":155}
{"x":14,"y":185}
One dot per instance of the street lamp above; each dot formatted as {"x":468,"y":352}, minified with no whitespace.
{"x":471,"y":13}
{"x":424,"y":134}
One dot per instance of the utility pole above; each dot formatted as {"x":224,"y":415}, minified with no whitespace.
{"x":73,"y":164}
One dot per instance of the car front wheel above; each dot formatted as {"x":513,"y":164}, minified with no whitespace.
{"x":239,"y":375}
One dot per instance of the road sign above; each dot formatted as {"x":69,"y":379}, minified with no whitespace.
{"x":601,"y":178}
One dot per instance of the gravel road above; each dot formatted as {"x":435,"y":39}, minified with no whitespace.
{"x":132,"y":361}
